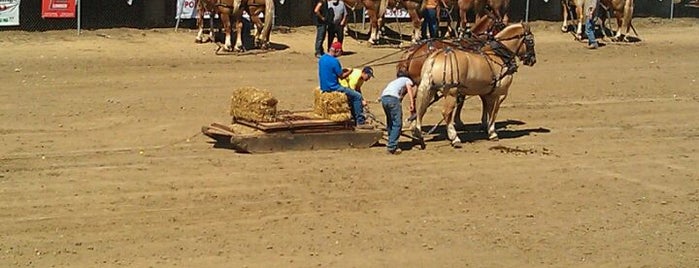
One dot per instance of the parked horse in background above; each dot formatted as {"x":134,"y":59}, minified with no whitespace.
{"x":623,"y":12}
{"x":262,"y":29}
{"x":231,"y":12}
{"x":621,"y":9}
{"x":578,"y":16}
{"x":487,"y":73}
{"x":497,"y":8}
{"x":376,"y":10}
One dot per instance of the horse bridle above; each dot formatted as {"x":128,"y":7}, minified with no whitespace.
{"x":506,"y":53}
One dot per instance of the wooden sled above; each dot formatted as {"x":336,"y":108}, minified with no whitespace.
{"x":296,"y":131}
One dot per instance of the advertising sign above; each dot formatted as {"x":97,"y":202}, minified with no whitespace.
{"x":58,"y":8}
{"x":9,"y":12}
{"x":187,"y":9}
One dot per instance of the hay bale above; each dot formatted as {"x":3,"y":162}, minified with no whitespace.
{"x":252,"y":104}
{"x":333,"y":106}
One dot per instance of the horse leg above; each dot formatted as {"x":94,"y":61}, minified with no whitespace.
{"x":581,"y":18}
{"x":226,"y":21}
{"x":564,"y":7}
{"x":239,"y":35}
{"x":460,"y":99}
{"x":447,"y":113}
{"x":415,"y":18}
{"x":255,"y":18}
{"x":463,"y":26}
{"x":487,"y":120}
{"x":373,"y":28}
{"x":490,"y":102}
{"x":200,"y":23}
{"x":494,"y":135}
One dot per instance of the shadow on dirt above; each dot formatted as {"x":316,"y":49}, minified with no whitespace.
{"x":474,"y":132}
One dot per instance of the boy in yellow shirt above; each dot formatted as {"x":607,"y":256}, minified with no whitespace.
{"x":357,"y":78}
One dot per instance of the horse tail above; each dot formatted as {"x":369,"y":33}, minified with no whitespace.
{"x":269,"y":21}
{"x":425,"y":94}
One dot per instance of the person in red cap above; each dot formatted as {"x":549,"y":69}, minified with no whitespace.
{"x":329,"y":72}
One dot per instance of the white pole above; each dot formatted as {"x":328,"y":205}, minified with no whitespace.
{"x":672,"y":9}
{"x":179,"y":15}
{"x":77,"y":3}
{"x":526,"y":16}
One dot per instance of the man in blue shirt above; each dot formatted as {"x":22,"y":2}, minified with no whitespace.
{"x":329,"y":71}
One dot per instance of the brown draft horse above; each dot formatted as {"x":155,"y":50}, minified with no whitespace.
{"x":497,"y":8}
{"x":376,"y":9}
{"x":579,"y":16}
{"x":412,"y":59}
{"x":623,"y":12}
{"x":231,"y":12}
{"x":487,"y":73}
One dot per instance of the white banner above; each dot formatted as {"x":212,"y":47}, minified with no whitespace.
{"x":9,"y":12}
{"x":189,"y":10}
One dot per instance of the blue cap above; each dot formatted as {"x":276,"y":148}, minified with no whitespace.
{"x":369,"y":71}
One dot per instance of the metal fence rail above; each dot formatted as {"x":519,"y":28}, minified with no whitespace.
{"x":97,"y":14}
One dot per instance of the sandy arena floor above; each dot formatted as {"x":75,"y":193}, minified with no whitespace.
{"x":102,"y":163}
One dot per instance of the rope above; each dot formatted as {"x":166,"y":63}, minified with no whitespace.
{"x":380,"y":58}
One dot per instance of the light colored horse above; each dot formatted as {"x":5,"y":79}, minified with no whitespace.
{"x":262,"y":29}
{"x":231,"y":12}
{"x":579,"y":16}
{"x":623,"y":12}
{"x":487,"y":73}
{"x":376,"y":10}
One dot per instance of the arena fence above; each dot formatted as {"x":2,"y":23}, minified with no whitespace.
{"x":42,"y":15}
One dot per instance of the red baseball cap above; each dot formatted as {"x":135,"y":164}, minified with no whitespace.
{"x":337,"y":46}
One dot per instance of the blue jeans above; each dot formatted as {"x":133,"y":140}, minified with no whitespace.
{"x":355,"y":99}
{"x":394,"y":120}
{"x":590,"y":31}
{"x":430,"y":21}
{"x":335,"y":30}
{"x":320,"y":37}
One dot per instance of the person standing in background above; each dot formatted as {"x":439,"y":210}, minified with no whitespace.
{"x":337,"y":25}
{"x":590,"y":8}
{"x":320,"y":18}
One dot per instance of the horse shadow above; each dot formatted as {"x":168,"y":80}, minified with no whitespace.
{"x":475,"y":132}
{"x":388,"y":36}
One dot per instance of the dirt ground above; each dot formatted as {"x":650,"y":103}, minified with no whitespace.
{"x":102,"y":162}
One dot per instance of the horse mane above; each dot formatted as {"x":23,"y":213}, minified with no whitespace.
{"x":512,"y":30}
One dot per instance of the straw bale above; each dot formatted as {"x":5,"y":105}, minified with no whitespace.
{"x":333,"y":106}
{"x":252,"y":104}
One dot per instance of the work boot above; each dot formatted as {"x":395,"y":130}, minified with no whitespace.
{"x":594,"y":45}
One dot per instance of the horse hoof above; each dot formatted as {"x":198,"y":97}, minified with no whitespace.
{"x":564,"y":29}
{"x":493,"y":137}
{"x":198,"y":41}
{"x":456,"y":144}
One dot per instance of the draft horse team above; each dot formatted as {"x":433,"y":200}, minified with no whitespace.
{"x":482,"y":63}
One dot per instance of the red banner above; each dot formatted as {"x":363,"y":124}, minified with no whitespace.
{"x":58,"y":8}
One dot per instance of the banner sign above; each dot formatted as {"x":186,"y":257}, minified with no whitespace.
{"x":187,"y":9}
{"x":9,"y":12}
{"x":392,"y":13}
{"x":58,"y":8}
